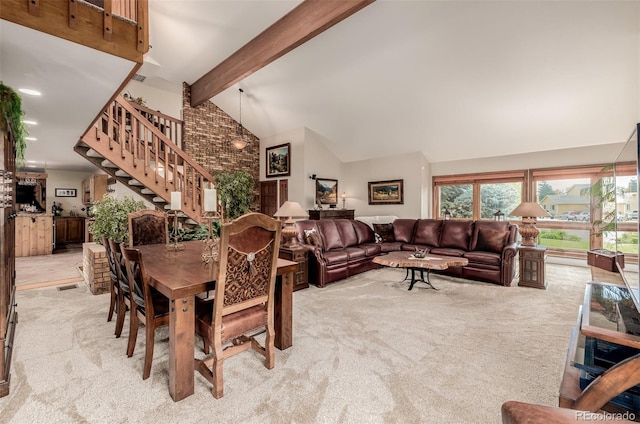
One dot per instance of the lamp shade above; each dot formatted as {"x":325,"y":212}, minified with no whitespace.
{"x":529,"y":210}
{"x":291,"y":210}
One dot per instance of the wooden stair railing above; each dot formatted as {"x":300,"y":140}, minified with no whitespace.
{"x":168,"y":125}
{"x":126,"y":138}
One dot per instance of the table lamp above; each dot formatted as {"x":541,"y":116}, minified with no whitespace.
{"x":529,"y":211}
{"x":290,"y":210}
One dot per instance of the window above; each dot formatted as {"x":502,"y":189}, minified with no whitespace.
{"x":580,"y":218}
{"x":478,"y":196}
{"x":503,"y":197}
{"x":458,"y":200}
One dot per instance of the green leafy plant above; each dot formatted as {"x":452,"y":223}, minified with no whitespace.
{"x":198,"y":232}
{"x":11,"y":115}
{"x":235,"y":190}
{"x":111,"y":218}
{"x":603,"y":195}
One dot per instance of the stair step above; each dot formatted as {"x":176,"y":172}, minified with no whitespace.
{"x":147,"y":191}
{"x":135,"y":182}
{"x":108,"y":164}
{"x":93,"y":154}
{"x":190,"y":221}
{"x":121,"y":173}
{"x":159,"y":199}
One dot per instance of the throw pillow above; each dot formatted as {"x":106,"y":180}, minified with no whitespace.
{"x":491,"y":240}
{"x":312,"y":237}
{"x":385,"y":231}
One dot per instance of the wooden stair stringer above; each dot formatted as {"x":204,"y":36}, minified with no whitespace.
{"x":136,"y":170}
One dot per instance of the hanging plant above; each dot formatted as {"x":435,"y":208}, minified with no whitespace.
{"x":11,"y":115}
{"x":235,"y":191}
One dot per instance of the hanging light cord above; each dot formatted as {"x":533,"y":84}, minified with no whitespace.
{"x":241,"y":91}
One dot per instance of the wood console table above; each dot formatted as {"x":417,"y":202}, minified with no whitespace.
{"x":332,"y":214}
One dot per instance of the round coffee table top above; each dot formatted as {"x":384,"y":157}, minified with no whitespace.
{"x":405,"y":259}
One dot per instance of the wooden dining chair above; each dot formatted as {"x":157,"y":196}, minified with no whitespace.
{"x":113,"y":279}
{"x":150,"y":307}
{"x":148,"y":226}
{"x":244,"y":295}
{"x":121,"y":286}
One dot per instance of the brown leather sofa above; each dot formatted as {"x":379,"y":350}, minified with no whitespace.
{"x":340,"y":248}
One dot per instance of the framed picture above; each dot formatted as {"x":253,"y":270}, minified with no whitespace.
{"x":278,"y":160}
{"x":66,"y":192}
{"x":326,"y":191}
{"x":386,"y":192}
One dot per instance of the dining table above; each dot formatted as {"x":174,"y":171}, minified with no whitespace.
{"x":182,"y":274}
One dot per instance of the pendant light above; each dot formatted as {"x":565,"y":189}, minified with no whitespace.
{"x":239,"y":142}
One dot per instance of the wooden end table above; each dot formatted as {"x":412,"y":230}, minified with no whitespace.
{"x":297,"y":254}
{"x":531,"y":266}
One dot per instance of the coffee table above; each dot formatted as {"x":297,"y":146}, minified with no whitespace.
{"x":405,"y":259}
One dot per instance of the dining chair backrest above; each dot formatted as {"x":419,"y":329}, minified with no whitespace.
{"x":248,"y":260}
{"x":148,"y":226}
{"x":119,"y":266}
{"x":140,"y":289}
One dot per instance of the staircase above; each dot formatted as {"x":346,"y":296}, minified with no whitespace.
{"x":140,"y":148}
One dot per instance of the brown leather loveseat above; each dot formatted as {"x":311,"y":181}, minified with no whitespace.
{"x":341,"y":248}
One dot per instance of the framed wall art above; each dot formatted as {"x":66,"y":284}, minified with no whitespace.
{"x":279,"y":160}
{"x":386,"y":192}
{"x":66,"y":192}
{"x":326,"y":191}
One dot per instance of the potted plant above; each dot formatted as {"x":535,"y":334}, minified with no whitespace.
{"x":235,"y":190}
{"x":11,"y":115}
{"x":111,"y":218}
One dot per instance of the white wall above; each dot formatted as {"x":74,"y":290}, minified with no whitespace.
{"x":66,"y":179}
{"x":296,"y":162}
{"x":321,"y":161}
{"x":593,"y":155}
{"x":169,"y":103}
{"x":408,"y":167}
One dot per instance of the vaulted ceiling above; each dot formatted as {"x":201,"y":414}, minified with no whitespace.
{"x":453,"y":80}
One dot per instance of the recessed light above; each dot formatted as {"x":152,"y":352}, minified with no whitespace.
{"x":30,"y":122}
{"x":30,"y":92}
{"x":31,"y":138}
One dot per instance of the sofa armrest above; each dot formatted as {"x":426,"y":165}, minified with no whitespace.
{"x":509,"y":251}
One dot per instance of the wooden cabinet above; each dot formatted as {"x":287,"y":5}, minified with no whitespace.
{"x":531,"y":266}
{"x":69,"y":229}
{"x":34,"y":235}
{"x":332,"y":214}
{"x":94,"y":188}
{"x":8,"y":313}
{"x":298,"y":255}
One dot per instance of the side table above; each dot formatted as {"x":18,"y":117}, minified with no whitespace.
{"x":531,"y":266}
{"x":299,"y":255}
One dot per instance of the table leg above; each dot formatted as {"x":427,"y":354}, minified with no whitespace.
{"x":422,"y":279}
{"x":283,"y":311}
{"x":181,"y":347}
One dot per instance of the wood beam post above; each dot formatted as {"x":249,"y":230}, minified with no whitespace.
{"x":308,"y":19}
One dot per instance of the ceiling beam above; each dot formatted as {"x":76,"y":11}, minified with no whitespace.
{"x":308,"y":19}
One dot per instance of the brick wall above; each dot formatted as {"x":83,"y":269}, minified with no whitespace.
{"x":95,"y":268}
{"x":207,"y":135}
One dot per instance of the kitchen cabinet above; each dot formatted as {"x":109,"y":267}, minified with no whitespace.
{"x":69,"y":229}
{"x":34,"y":235}
{"x":94,"y":188}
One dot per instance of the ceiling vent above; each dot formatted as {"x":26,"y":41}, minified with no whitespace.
{"x":139,"y":78}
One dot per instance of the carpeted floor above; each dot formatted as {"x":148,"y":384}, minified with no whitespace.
{"x":365,"y":350}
